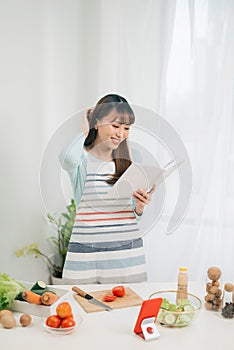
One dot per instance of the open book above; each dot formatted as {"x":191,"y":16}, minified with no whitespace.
{"x":142,"y":176}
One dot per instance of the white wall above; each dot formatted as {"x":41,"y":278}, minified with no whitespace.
{"x":22,"y":82}
{"x":38,"y":65}
{"x":45,"y":46}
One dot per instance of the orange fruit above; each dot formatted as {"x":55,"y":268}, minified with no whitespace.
{"x":64,"y":309}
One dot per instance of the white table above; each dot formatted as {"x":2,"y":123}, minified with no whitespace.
{"x":114,"y":330}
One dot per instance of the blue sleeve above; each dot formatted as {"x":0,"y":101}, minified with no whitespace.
{"x":70,"y":157}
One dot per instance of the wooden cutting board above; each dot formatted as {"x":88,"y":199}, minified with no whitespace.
{"x":130,"y":299}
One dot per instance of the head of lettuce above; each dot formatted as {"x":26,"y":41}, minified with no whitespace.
{"x":9,"y":290}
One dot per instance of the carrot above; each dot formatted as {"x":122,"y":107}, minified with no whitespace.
{"x":31,"y":297}
{"x":49,"y":298}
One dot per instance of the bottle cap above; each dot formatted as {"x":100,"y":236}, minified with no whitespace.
{"x":183,"y":269}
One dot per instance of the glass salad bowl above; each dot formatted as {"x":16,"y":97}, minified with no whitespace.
{"x":173,"y":314}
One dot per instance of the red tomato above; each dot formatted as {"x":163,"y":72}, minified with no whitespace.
{"x":118,"y":291}
{"x":53,"y":321}
{"x":64,"y":309}
{"x":109,"y":297}
{"x":68,"y":322}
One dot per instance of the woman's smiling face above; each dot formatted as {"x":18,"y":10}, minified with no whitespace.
{"x":112,"y":130}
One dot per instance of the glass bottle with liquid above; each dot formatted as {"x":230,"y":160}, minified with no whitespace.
{"x":182,"y":286}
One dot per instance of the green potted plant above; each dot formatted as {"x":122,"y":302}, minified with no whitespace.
{"x":63,"y":226}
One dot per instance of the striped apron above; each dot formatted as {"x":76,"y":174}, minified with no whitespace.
{"x":105,"y":245}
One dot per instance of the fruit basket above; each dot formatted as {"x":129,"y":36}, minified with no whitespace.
{"x":174,"y":314}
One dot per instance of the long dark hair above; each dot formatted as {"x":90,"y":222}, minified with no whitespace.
{"x":121,"y":156}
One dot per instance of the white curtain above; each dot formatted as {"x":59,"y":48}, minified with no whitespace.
{"x":199,"y":103}
{"x":172,"y":57}
{"x":208,"y":128}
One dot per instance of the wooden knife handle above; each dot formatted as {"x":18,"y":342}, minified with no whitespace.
{"x":81,"y":292}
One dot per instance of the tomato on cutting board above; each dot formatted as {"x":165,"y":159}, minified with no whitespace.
{"x":109,"y":298}
{"x":118,"y":291}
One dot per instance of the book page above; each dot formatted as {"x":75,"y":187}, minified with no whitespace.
{"x":141,"y":176}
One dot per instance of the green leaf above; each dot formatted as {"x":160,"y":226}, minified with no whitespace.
{"x":19,"y":253}
{"x":9,"y":289}
{"x":165,"y":304}
{"x":66,"y":216}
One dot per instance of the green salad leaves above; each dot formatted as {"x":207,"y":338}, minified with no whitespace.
{"x":9,"y":289}
{"x":176,"y":315}
{"x":182,"y":305}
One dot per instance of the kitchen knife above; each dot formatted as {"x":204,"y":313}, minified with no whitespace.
{"x":90,"y":298}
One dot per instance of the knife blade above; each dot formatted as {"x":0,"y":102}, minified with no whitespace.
{"x":90,"y":298}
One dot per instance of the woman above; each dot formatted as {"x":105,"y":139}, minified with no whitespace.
{"x":105,"y":245}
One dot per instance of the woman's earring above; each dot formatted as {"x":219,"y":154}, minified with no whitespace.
{"x":95,"y":127}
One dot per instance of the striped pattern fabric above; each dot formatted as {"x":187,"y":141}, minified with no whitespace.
{"x":105,"y":245}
